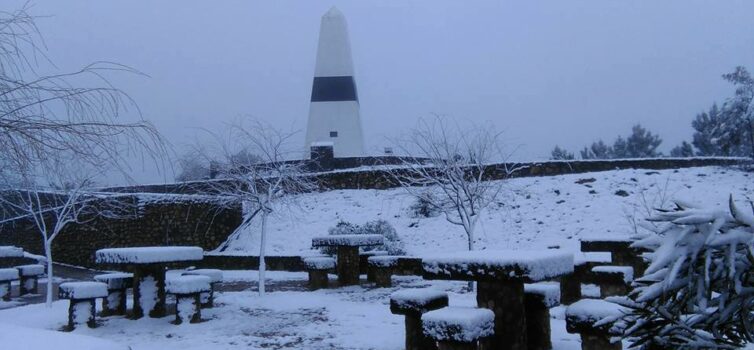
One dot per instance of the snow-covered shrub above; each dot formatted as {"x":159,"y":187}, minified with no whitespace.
{"x":698,"y":291}
{"x":393,"y":244}
{"x":424,"y":207}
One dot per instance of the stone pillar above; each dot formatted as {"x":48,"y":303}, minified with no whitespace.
{"x":318,"y":279}
{"x":114,"y":303}
{"x":28,"y":285}
{"x":537,"y":323}
{"x":188,"y":308}
{"x":348,"y":265}
{"x":5,"y":291}
{"x":383,"y":277}
{"x":208,"y":298}
{"x":415,"y":339}
{"x":506,"y":300}
{"x":598,"y":342}
{"x":81,"y":311}
{"x":448,"y":345}
{"x":149,"y":292}
{"x":570,"y":288}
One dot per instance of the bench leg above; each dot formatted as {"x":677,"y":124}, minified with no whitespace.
{"x":188,"y":308}
{"x":318,"y":279}
{"x":383,"y":277}
{"x":208,"y":298}
{"x":5,"y":291}
{"x":348,"y":265}
{"x":447,"y":345}
{"x":538,"y":326}
{"x":81,"y":311}
{"x":599,"y":342}
{"x":114,"y":303}
{"x":415,"y":339}
{"x":570,"y":289}
{"x":28,"y":285}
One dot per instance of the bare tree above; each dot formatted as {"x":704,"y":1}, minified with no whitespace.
{"x":263,"y":182}
{"x":447,"y":169}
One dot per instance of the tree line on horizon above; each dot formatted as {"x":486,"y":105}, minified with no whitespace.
{"x":724,"y":131}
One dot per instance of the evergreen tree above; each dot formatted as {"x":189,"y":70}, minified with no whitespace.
{"x":561,"y":154}
{"x":738,"y":112}
{"x":708,"y":127}
{"x":684,"y":150}
{"x":641,"y":144}
{"x":598,"y":150}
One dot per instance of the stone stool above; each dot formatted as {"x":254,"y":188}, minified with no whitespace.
{"x":215,"y":277}
{"x":364,"y":261}
{"x":582,"y":317}
{"x":117,"y":287}
{"x":187,"y":291}
{"x":613,"y":280}
{"x":28,"y":277}
{"x":412,"y":303}
{"x":82,"y":296}
{"x":382,"y":268}
{"x":6,"y":277}
{"x":458,"y":328}
{"x":318,"y":268}
{"x":538,"y":299}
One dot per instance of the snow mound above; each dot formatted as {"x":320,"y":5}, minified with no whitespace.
{"x":535,"y":265}
{"x":548,"y":291}
{"x":118,"y":280}
{"x":319,"y":263}
{"x":594,"y":311}
{"x":188,"y":284}
{"x":383,"y":260}
{"x":15,"y":337}
{"x":626,"y":271}
{"x":461,"y":324}
{"x":348,"y":240}
{"x":148,"y":255}
{"x":11,"y":252}
{"x":31,"y":270}
{"x":8,"y":275}
{"x":82,"y":290}
{"x":215,"y":276}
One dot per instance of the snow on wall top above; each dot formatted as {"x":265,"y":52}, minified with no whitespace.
{"x":606,"y":238}
{"x":82,"y":290}
{"x":10,"y":274}
{"x":188,"y":284}
{"x":347,"y":240}
{"x":461,"y":324}
{"x":548,"y":291}
{"x":626,"y":271}
{"x":31,"y":270}
{"x":530,"y":266}
{"x":383,"y":260}
{"x":11,"y":252}
{"x":319,"y":263}
{"x":118,"y":280}
{"x":215,"y":276}
{"x":147,"y":255}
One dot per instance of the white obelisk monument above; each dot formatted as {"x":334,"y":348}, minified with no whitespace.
{"x":334,"y":109}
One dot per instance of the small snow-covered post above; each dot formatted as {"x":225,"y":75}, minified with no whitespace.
{"x":82,"y":296}
{"x":187,"y":290}
{"x":413,"y":303}
{"x":458,"y":328}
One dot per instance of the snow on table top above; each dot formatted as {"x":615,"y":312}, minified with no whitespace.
{"x":117,"y":280}
{"x":607,"y":238}
{"x":10,"y":274}
{"x":31,"y":270}
{"x":15,"y":337}
{"x":383,"y":260}
{"x":148,"y":255}
{"x":461,"y":324}
{"x":319,"y":263}
{"x":626,"y":271}
{"x":549,"y":291}
{"x":82,"y":290}
{"x":215,"y":276}
{"x":11,"y":252}
{"x":188,"y":284}
{"x":594,"y":310}
{"x":348,"y":240}
{"x":529,"y":265}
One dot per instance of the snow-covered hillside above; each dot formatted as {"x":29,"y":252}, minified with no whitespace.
{"x":533,"y":213}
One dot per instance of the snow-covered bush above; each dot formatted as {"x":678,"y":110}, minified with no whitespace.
{"x":424,"y":208}
{"x":698,"y":291}
{"x":393,"y":244}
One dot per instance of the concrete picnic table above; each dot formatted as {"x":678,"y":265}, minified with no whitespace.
{"x":348,"y":253}
{"x":148,"y":265}
{"x":10,"y":255}
{"x":500,"y":277}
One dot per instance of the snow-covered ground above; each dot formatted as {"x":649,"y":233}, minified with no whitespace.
{"x":534,"y":212}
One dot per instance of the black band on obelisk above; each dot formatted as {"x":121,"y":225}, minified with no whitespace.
{"x":326,"y":89}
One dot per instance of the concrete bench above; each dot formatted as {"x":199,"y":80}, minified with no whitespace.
{"x":318,"y":268}
{"x":597,"y":322}
{"x":570,"y":285}
{"x":382,"y":268}
{"x":459,"y":328}
{"x":82,"y":296}
{"x":215,"y":277}
{"x":621,"y":251}
{"x":6,"y":277}
{"x":29,"y":278}
{"x":187,"y":291}
{"x":413,"y":303}
{"x":117,"y":288}
{"x":613,"y":280}
{"x":538,"y":299}
{"x":364,"y":264}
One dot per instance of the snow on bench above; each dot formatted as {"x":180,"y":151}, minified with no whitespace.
{"x":82,"y":290}
{"x":417,"y":301}
{"x":188,"y":285}
{"x":383,"y":260}
{"x":117,"y":280}
{"x":495,"y":265}
{"x":319,"y":263}
{"x":348,"y":240}
{"x":215,"y":276}
{"x":148,"y":255}
{"x":31,"y":270}
{"x":588,"y":315}
{"x":7,"y":275}
{"x":549,"y":292}
{"x":11,"y":252}
{"x":458,"y":324}
{"x":626,"y":273}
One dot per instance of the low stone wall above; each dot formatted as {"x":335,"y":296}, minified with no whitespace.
{"x":406,"y":266}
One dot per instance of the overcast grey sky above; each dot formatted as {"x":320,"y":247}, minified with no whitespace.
{"x":545,"y":72}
